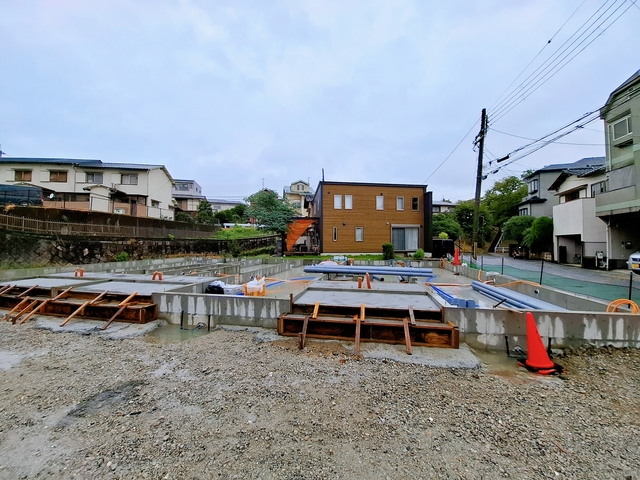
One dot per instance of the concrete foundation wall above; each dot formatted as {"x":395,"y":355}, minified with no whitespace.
{"x":224,"y":310}
{"x":486,"y":329}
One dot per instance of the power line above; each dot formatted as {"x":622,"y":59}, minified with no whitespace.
{"x":539,"y":77}
{"x":452,"y":151}
{"x":559,"y":143}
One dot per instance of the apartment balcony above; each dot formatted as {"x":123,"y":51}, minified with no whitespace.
{"x":617,"y":202}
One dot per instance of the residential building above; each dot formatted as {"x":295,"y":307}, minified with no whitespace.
{"x":299,"y":194}
{"x":360,"y":217}
{"x":188,"y":195}
{"x":220,"y":204}
{"x":92,"y":185}
{"x":579,"y":237}
{"x":538,"y":202}
{"x":619,"y":206}
{"x":443,"y":206}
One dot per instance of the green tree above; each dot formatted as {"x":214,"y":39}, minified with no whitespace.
{"x":269,"y":212}
{"x":446,"y":223}
{"x":539,"y":237}
{"x":464,"y":216}
{"x":184,"y":217}
{"x":205,"y":213}
{"x":233,"y":215}
{"x":502,"y":199}
{"x":514,"y":228}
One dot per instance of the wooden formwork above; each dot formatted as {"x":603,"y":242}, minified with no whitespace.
{"x":409,"y":327}
{"x":23,"y":303}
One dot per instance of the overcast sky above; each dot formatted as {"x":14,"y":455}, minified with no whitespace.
{"x":237,"y":94}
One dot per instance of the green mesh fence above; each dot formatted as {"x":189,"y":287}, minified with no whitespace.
{"x":605,"y":289}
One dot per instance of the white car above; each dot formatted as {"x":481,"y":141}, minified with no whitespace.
{"x":634,"y":262}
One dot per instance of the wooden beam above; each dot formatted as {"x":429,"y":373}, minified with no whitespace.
{"x":316,"y":308}
{"x":123,"y":304}
{"x":303,"y":334}
{"x":24,"y":294}
{"x":16,"y":308}
{"x":357,"y":339}
{"x":5,"y":289}
{"x":77,"y":312}
{"x":362,"y":312}
{"x":31,"y":305}
{"x":411,"y":315}
{"x":407,"y":338}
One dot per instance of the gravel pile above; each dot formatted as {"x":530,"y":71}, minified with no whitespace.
{"x":227,"y":405}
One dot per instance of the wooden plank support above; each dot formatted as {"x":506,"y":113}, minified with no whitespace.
{"x":45,"y":303}
{"x":77,"y":312}
{"x":23,"y":311}
{"x":357,"y":336}
{"x":24,"y":294}
{"x":411,"y":315}
{"x":303,"y":334}
{"x":407,"y":338}
{"x":316,"y":308}
{"x":16,"y":308}
{"x":123,"y":304}
{"x":6,"y":289}
{"x":362,"y":312}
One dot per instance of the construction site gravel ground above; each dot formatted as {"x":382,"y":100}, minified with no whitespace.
{"x":232,"y":405}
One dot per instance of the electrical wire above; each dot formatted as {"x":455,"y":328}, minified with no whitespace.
{"x":559,"y":143}
{"x":452,"y":151}
{"x":536,"y":56}
{"x":557,"y":65}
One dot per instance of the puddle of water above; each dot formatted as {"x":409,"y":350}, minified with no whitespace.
{"x":173,"y":333}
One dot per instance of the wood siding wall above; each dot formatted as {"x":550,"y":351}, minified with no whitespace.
{"x":376,"y":224}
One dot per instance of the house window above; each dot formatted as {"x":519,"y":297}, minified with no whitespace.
{"x":380,"y":202}
{"x":572,"y":196}
{"x":598,"y":188}
{"x":129,"y":179}
{"x":337,"y":202}
{"x":399,"y":203}
{"x":621,"y":128}
{"x":155,"y":203}
{"x":335,"y":234}
{"x":437,"y":209}
{"x":94,"y":177}
{"x":415,"y":206}
{"x":523,"y":211}
{"x":57,"y":176}
{"x":359,"y":234}
{"x":22,"y":175}
{"x":405,"y":238}
{"x":348,"y":202}
{"x":533,"y":186}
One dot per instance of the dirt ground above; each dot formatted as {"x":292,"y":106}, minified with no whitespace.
{"x":230,"y":405}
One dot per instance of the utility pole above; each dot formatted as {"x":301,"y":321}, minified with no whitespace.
{"x":476,"y":205}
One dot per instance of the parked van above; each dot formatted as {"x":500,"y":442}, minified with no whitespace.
{"x":22,"y":195}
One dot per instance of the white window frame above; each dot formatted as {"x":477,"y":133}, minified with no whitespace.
{"x":534,"y":185}
{"x":360,"y":230}
{"x":612,"y":128}
{"x":130,"y":176}
{"x":335,"y":234}
{"x":93,"y":179}
{"x":348,"y":202}
{"x":379,"y":202}
{"x":523,"y":211}
{"x":399,"y":203}
{"x":337,"y":202}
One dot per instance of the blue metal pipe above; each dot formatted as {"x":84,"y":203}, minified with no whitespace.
{"x":514,"y":298}
{"x":359,"y":270}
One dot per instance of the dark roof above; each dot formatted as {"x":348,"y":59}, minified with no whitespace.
{"x":587,"y":163}
{"x":54,"y":161}
{"x":629,"y":81}
{"x":535,"y":199}
{"x":578,"y":172}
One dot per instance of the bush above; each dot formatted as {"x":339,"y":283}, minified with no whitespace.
{"x":419,"y":255}
{"x":122,"y":257}
{"x":443,"y":235}
{"x":387,"y":251}
{"x":235,"y":248}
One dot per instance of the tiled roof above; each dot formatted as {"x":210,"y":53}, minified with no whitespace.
{"x":54,"y":161}
{"x":583,"y":163}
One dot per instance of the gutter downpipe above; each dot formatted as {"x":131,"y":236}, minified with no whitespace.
{"x":608,"y":239}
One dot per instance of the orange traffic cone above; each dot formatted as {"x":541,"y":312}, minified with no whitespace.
{"x":538,"y":360}
{"x":456,"y":258}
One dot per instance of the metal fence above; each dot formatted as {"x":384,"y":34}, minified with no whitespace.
{"x":87,"y":229}
{"x":603,"y":287}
